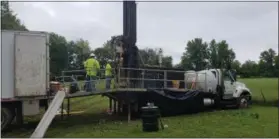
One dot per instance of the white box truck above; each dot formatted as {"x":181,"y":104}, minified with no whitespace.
{"x":24,"y":72}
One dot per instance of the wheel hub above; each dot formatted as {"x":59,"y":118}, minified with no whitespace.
{"x":243,"y":103}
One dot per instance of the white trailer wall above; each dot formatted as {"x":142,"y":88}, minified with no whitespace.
{"x":25,"y":63}
{"x":7,"y":57}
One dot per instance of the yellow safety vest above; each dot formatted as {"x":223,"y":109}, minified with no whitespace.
{"x":91,"y":66}
{"x":108,"y":70}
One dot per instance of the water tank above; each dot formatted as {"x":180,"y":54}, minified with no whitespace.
{"x":204,"y":80}
{"x":189,"y":77}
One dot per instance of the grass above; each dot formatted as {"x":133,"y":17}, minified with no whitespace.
{"x":94,"y":122}
{"x":269,"y":87}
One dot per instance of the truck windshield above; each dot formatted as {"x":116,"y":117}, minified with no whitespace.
{"x":228,"y":76}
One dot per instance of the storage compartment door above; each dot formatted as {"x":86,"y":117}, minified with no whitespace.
{"x":30,"y":64}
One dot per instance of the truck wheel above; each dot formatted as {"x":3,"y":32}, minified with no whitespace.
{"x":6,"y":117}
{"x":243,"y":102}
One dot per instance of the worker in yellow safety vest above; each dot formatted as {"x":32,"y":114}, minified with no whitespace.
{"x":108,"y":74}
{"x":92,"y":67}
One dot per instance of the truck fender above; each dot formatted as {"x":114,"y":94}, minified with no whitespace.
{"x":242,"y":91}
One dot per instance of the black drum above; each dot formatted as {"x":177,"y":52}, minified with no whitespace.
{"x":150,"y":116}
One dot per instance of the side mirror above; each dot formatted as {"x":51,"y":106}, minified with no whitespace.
{"x":234,"y":75}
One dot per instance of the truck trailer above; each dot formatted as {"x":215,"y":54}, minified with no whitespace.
{"x":25,"y":74}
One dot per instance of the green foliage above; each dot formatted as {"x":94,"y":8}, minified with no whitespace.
{"x":249,"y":69}
{"x":276,"y":66}
{"x":167,"y":61}
{"x":9,"y":21}
{"x":67,"y":55}
{"x":106,"y":52}
{"x":199,"y":55}
{"x":267,"y":63}
{"x":213,"y":54}
{"x":196,"y":55}
{"x":225,"y":55}
{"x":58,"y":53}
{"x":151,"y":57}
{"x":236,"y":65}
{"x":220,"y":55}
{"x":81,"y":52}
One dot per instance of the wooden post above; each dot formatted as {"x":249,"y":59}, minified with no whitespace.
{"x":165,"y":79}
{"x":118,"y":107}
{"x":62,"y":112}
{"x":114,"y":106}
{"x":68,"y":107}
{"x":263,"y":96}
{"x":46,"y":106}
{"x":110,"y":104}
{"x":19,"y":114}
{"x":142,"y":80}
{"x":129,"y":112}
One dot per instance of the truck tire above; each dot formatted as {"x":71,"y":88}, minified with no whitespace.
{"x":7,"y":115}
{"x":243,"y":102}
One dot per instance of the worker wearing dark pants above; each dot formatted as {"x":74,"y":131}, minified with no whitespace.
{"x":108,"y":74}
{"x":92,"y":67}
{"x":90,"y":83}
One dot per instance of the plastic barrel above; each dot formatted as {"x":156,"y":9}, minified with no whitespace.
{"x":150,"y":115}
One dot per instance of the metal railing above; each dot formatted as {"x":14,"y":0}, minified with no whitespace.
{"x":139,"y":78}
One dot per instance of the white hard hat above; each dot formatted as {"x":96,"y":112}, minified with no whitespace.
{"x":92,"y":55}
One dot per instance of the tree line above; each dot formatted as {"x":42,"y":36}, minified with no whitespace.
{"x":70,"y":54}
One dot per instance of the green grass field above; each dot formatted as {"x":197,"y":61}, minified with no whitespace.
{"x":91,"y":120}
{"x":269,"y":87}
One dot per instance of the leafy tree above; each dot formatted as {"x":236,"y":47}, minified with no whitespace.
{"x":196,"y":55}
{"x":276,"y":66}
{"x":249,"y":69}
{"x":72,"y":55}
{"x":58,"y":53}
{"x":67,"y":55}
{"x":267,"y":63}
{"x":82,"y":51}
{"x":213,"y":54}
{"x":103,"y":54}
{"x":179,"y":66}
{"x":225,"y":55}
{"x":236,"y":65}
{"x":9,"y":21}
{"x":167,"y":61}
{"x":151,"y":57}
{"x":106,"y":52}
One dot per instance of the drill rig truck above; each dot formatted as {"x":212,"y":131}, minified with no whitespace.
{"x":26,"y":83}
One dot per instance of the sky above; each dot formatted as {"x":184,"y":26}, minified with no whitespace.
{"x":248,"y":27}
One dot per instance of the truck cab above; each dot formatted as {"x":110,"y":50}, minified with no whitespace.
{"x":236,"y":90}
{"x":209,"y":81}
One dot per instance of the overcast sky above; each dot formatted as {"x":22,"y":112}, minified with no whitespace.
{"x":249,"y":28}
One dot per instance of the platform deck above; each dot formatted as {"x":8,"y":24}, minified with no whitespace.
{"x":100,"y":92}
